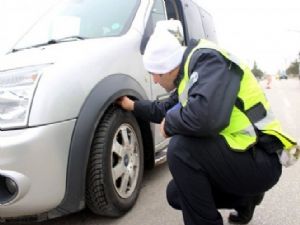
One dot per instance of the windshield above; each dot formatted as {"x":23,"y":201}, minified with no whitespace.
{"x":82,"y":18}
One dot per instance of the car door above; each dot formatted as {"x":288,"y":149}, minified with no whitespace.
{"x":157,"y":13}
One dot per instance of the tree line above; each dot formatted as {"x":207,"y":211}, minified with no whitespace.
{"x":292,"y":69}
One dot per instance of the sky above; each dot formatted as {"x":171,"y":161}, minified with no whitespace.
{"x":264,"y":31}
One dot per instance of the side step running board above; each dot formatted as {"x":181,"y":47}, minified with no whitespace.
{"x":161,"y":156}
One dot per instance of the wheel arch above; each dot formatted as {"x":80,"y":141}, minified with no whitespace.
{"x":101,"y":98}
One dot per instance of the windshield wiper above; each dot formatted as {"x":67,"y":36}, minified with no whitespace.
{"x":69,"y":38}
{"x":50,"y":42}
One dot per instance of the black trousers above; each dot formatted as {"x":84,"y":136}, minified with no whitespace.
{"x":207,"y":176}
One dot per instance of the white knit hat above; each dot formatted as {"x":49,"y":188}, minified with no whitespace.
{"x":163,"y":52}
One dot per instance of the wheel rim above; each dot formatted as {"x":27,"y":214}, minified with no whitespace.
{"x":125,"y":160}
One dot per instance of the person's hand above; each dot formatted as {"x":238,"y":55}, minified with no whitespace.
{"x":162,"y":129}
{"x":125,"y":103}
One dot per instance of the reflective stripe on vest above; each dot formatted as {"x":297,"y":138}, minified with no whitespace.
{"x":240,"y":133}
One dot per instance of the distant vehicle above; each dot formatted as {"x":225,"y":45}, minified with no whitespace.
{"x":283,"y":75}
{"x":64,"y":144}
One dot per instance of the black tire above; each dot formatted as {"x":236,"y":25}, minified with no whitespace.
{"x":107,"y":193}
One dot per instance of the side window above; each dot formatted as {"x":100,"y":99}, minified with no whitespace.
{"x":172,"y":11}
{"x":158,"y":13}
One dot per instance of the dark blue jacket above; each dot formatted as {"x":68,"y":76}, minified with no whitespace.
{"x":210,"y":99}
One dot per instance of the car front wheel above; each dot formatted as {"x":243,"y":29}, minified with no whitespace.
{"x":116,"y":164}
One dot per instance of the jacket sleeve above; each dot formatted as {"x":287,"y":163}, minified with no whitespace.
{"x":211,"y":97}
{"x":154,"y":111}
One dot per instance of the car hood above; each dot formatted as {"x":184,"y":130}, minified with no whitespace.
{"x":60,"y":53}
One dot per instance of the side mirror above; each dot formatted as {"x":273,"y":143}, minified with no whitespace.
{"x":174,"y":27}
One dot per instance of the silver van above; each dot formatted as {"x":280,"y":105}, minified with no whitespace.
{"x":64,"y":144}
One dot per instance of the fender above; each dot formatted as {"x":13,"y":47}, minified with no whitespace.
{"x":94,"y":107}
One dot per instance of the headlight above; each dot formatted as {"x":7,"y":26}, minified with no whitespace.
{"x":16,"y":93}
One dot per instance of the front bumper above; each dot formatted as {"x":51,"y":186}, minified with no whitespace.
{"x":36,"y":160}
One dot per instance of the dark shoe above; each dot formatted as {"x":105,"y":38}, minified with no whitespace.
{"x":243,"y":215}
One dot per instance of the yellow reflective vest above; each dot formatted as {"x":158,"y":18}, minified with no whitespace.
{"x":252,"y":113}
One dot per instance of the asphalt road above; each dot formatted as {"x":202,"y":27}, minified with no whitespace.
{"x":281,"y":204}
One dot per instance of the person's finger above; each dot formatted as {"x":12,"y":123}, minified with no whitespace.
{"x":120,"y":100}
